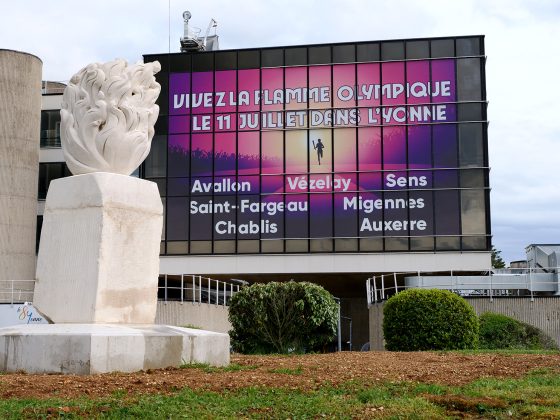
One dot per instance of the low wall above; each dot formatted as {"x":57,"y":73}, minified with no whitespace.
{"x":542,"y":312}
{"x":201,"y":315}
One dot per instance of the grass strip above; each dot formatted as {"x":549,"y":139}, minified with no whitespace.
{"x":536,"y":395}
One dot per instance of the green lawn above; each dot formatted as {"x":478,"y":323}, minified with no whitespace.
{"x":536,"y":395}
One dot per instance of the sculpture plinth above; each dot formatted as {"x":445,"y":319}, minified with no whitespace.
{"x":99,"y":255}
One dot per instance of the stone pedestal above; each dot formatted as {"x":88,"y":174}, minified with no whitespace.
{"x":99,"y":254}
{"x":97,"y":279}
{"x":100,"y":348}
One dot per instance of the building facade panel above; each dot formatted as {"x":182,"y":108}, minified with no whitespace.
{"x":357,"y":147}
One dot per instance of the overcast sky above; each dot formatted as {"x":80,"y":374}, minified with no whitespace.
{"x":522,"y":68}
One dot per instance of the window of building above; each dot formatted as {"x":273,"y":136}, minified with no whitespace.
{"x":50,"y":128}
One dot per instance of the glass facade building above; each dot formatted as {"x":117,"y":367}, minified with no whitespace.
{"x":355,"y":147}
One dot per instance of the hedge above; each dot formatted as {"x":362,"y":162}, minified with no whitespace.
{"x":429,"y":319}
{"x":503,"y":332}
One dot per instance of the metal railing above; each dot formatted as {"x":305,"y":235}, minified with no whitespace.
{"x":523,"y":282}
{"x":195,"y":289}
{"x":16,"y":291}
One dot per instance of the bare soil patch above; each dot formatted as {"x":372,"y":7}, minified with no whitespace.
{"x":305,"y":372}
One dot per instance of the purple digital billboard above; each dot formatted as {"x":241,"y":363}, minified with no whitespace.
{"x":318,"y":151}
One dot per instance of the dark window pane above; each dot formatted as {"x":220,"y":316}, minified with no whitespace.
{"x":469,"y":85}
{"x":178,"y":186}
{"x":226,"y":60}
{"x":471,"y":151}
{"x":155,"y":164}
{"x":160,"y":126}
{"x":468,"y":46}
{"x":368,"y":52}
{"x":201,"y":227}
{"x":203,"y":61}
{"x":442,"y":48}
{"x":296,"y":56}
{"x":417,"y":49}
{"x":319,"y":55}
{"x":177,"y":218}
{"x":344,"y":54}
{"x":447,"y":212}
{"x":248,"y":59}
{"x":272,"y":58}
{"x":392,"y":50}
{"x":38,"y":234}
{"x":470,"y":112}
{"x":50,"y":128}
{"x":177,"y":63}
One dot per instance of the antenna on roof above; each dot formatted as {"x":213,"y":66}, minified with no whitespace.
{"x":191,"y":39}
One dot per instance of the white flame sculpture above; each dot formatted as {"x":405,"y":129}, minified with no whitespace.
{"x":108,"y":115}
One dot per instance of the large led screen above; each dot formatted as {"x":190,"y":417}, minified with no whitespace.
{"x":319,"y":151}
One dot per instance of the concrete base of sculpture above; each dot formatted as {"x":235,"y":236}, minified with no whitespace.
{"x":99,"y":348}
{"x":99,"y":255}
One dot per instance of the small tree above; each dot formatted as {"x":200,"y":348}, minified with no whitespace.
{"x":419,"y":319}
{"x":497,"y":261}
{"x":282,"y":317}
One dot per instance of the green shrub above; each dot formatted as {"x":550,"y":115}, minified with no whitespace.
{"x":282,"y":318}
{"x":503,"y":332}
{"x":419,"y":319}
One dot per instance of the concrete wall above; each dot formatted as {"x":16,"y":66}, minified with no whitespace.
{"x":325,"y":263}
{"x":20,"y":118}
{"x":201,"y":315}
{"x":376,"y":326}
{"x":543,"y":313}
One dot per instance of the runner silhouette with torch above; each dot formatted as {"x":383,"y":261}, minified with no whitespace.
{"x":319,"y":147}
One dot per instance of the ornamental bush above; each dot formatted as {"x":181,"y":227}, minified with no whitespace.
{"x":420,"y":319}
{"x":282,"y":317}
{"x":503,"y":332}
